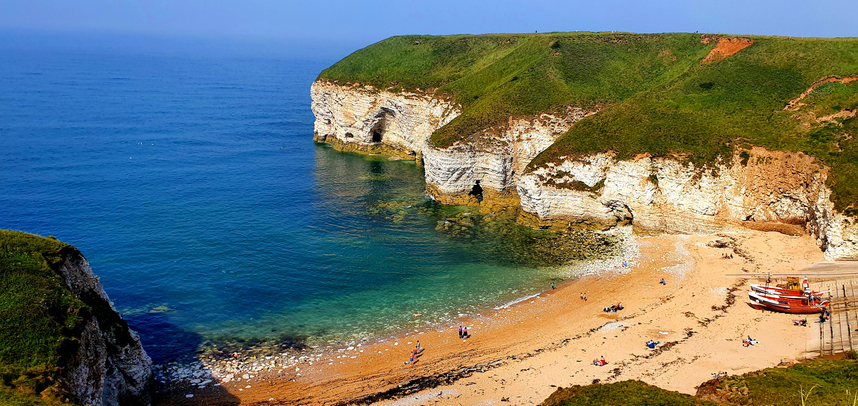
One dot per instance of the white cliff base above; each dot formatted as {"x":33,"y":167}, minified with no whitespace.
{"x":767,"y":190}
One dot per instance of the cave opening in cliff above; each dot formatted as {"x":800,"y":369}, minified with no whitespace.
{"x":477,"y":191}
{"x":378,"y":129}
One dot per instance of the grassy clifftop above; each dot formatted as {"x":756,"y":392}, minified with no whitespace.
{"x":656,"y":93}
{"x":816,"y":382}
{"x":40,"y":319}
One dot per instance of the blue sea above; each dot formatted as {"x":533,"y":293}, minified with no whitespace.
{"x":192,"y":185}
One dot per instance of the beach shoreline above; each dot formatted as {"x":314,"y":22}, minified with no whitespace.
{"x":525,"y":350}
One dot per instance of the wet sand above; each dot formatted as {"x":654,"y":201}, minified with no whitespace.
{"x":524,"y":352}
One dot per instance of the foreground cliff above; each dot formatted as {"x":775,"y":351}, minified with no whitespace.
{"x":668,"y":132}
{"x":61,"y":340}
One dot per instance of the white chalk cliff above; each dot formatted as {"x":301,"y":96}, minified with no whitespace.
{"x":660,"y":194}
{"x":365,"y":119}
{"x":110,"y":367}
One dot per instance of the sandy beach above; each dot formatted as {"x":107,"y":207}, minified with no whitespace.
{"x":520,"y":354}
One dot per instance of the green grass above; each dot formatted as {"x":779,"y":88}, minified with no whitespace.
{"x":830,"y":380}
{"x":497,"y":76}
{"x":654,"y":93}
{"x":40,"y":320}
{"x":626,"y":393}
{"x":823,"y":382}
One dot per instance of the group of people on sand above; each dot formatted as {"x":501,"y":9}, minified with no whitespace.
{"x":614,"y":308}
{"x":415,"y":353}
{"x":652,"y":344}
{"x":463,"y":333}
{"x":726,"y":256}
{"x":583,"y":296}
{"x":749,"y":342}
{"x":600,"y":362}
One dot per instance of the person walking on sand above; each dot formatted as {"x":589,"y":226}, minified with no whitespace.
{"x":460,"y":331}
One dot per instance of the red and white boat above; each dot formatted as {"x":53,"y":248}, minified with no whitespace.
{"x":786,"y":305}
{"x":787,"y":293}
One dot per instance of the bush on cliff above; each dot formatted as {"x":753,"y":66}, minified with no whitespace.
{"x":40,"y":320}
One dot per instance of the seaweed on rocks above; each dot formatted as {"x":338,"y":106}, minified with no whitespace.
{"x":509,"y":242}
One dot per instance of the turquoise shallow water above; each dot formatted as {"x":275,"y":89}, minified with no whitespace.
{"x":194,"y":189}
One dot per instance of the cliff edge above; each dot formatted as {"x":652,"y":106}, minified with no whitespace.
{"x":667,"y":132}
{"x":61,"y":339}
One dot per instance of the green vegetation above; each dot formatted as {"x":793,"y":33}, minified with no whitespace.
{"x":655,"y":94}
{"x":819,"y":382}
{"x":40,"y":319}
{"x":833,"y":383}
{"x":626,"y":393}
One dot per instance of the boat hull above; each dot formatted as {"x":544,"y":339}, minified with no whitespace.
{"x":783,"y":305}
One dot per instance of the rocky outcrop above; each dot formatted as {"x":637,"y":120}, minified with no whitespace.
{"x":758,"y":190}
{"x":110,"y":366}
{"x":494,"y":161}
{"x":361,"y":118}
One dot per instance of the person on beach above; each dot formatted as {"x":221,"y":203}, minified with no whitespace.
{"x":582,"y":295}
{"x":418,"y":345}
{"x":460,"y":331}
{"x":465,"y":333}
{"x":552,"y":285}
{"x":663,"y":282}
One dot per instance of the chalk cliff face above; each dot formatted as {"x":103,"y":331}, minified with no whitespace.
{"x":365,"y":119}
{"x":452,"y":173}
{"x":359,"y":118}
{"x":110,"y":366}
{"x":665,"y":195}
{"x":660,"y":194}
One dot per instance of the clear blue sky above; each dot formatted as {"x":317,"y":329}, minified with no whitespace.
{"x":353,"y":24}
